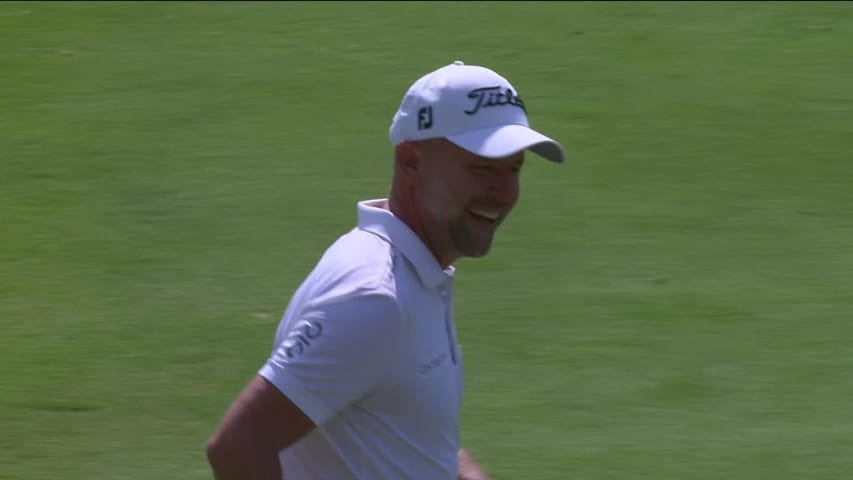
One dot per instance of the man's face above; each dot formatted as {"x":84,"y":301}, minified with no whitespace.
{"x":465,"y":197}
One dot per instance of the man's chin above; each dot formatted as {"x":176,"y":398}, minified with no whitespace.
{"x":472,"y":243}
{"x":477,"y":251}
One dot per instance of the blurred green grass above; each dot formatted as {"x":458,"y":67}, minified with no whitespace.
{"x":672,"y":303}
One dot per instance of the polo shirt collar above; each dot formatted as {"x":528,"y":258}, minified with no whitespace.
{"x":381,"y":222}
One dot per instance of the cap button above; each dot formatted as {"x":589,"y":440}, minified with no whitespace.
{"x":458,"y":62}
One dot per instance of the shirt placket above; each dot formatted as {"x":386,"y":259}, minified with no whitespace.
{"x":447,"y":298}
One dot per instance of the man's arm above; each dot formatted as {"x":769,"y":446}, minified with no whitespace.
{"x":259,"y":423}
{"x":350,"y":350}
{"x":468,"y":468}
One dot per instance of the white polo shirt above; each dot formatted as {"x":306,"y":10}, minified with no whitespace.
{"x":367,"y":349}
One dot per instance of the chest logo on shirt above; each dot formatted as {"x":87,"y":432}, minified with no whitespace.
{"x":433,"y":364}
{"x":301,"y":337}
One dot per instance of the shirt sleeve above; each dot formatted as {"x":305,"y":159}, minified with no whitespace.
{"x":335,"y":354}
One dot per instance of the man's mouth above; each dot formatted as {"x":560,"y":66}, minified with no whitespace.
{"x":485,"y":216}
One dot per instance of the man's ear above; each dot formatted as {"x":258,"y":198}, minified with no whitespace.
{"x":408,"y":157}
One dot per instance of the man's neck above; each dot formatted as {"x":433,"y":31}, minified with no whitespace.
{"x":410,"y":217}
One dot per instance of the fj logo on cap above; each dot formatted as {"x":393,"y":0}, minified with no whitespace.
{"x":493,"y":97}
{"x":425,"y":118}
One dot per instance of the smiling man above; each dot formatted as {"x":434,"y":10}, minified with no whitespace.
{"x":364,"y":380}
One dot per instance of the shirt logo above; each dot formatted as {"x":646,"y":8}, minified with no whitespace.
{"x":433,"y":364}
{"x":493,"y":97}
{"x":301,"y":337}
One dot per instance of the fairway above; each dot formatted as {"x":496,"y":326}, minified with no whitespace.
{"x":674,"y":302}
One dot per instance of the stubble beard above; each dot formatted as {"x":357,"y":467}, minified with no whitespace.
{"x":468,"y":242}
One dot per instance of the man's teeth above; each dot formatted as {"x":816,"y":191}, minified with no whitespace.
{"x":489,"y":215}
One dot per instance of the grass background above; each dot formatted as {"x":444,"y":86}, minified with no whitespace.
{"x":672,"y":303}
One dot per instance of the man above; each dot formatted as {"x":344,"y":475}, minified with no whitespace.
{"x":365,"y":376}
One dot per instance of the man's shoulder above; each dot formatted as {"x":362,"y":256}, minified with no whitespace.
{"x":362,"y":249}
{"x":358,"y":263}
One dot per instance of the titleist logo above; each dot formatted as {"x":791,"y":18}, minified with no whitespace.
{"x":492,"y":97}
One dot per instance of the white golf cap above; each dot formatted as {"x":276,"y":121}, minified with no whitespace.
{"x":474,"y":108}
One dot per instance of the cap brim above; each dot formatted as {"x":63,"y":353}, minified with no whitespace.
{"x":503,"y":141}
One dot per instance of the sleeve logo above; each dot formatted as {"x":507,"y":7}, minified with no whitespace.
{"x":301,"y":337}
